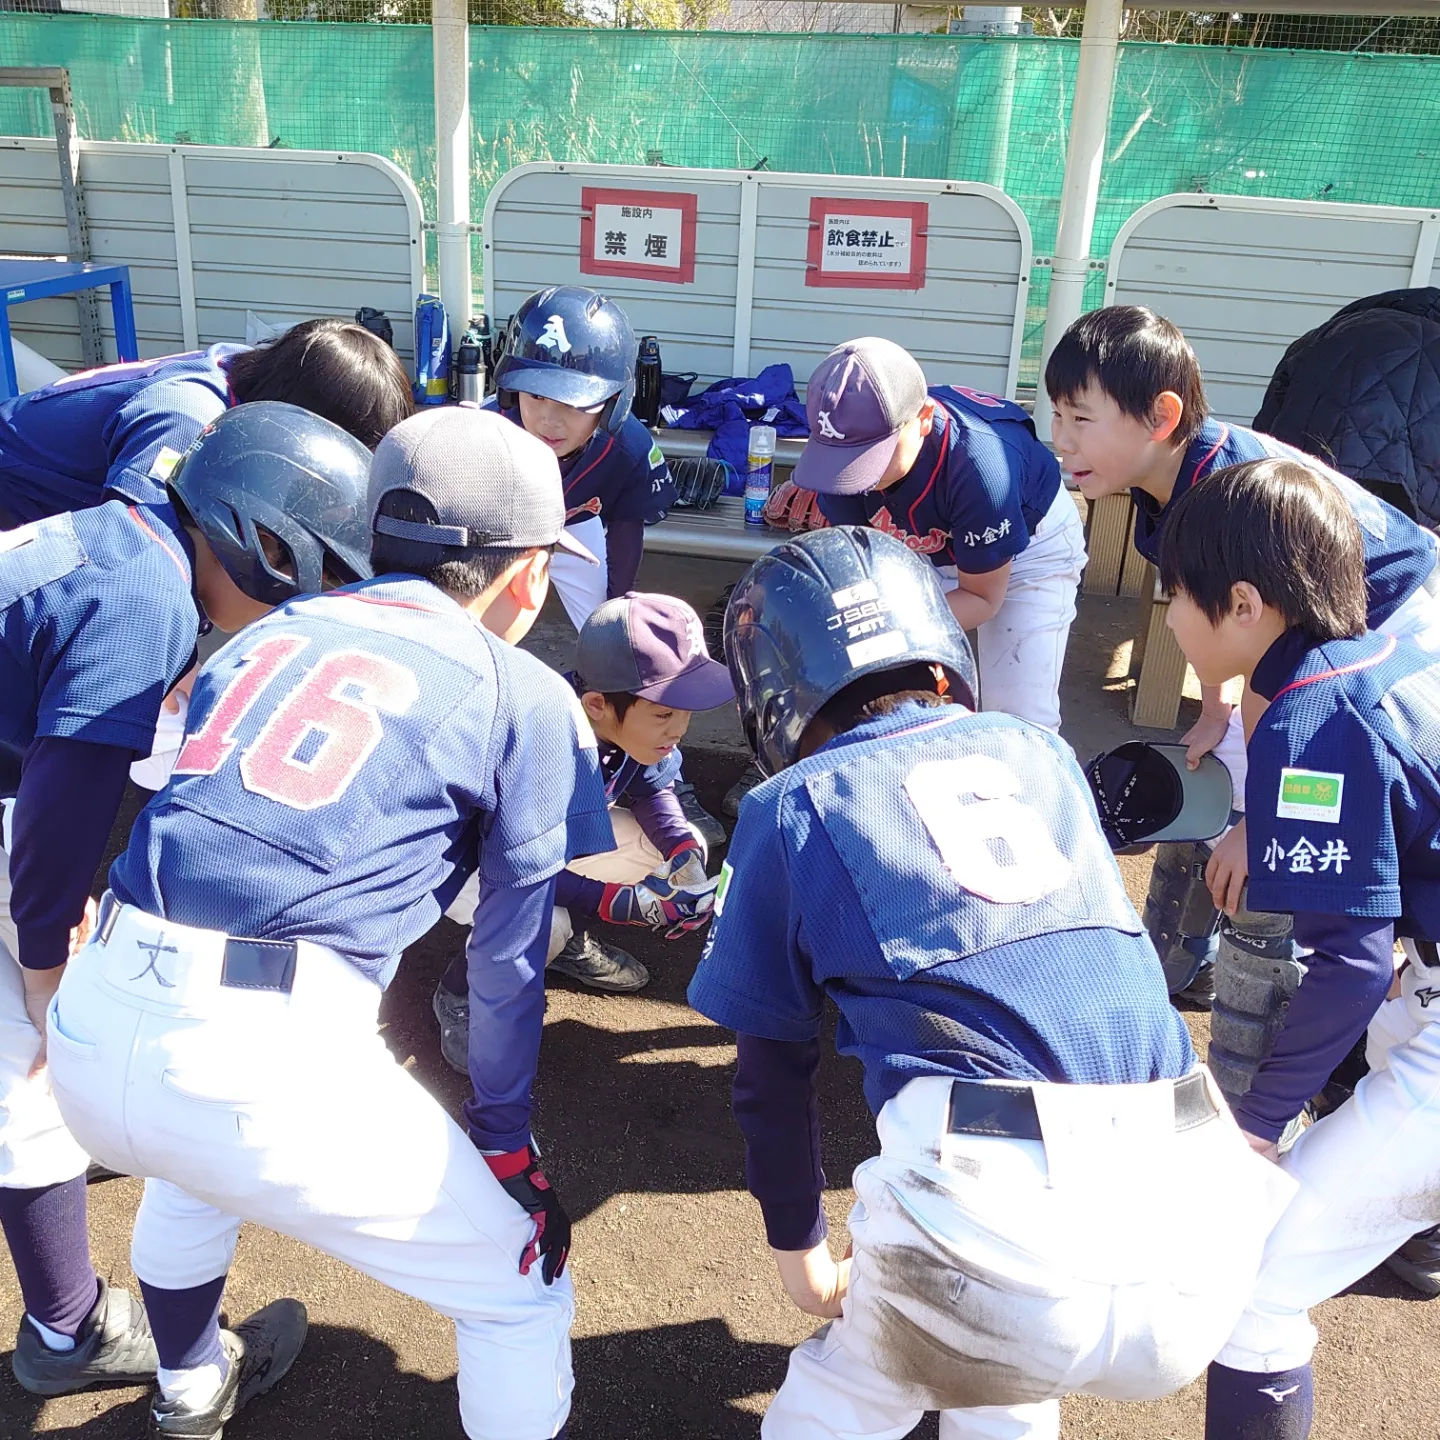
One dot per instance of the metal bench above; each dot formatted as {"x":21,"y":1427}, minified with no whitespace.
{"x":719,"y":533}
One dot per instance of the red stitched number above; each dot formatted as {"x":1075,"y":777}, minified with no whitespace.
{"x":334,"y":712}
{"x":978,"y":396}
{"x":209,"y":747}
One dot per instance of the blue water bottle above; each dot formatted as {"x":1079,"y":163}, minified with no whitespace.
{"x":758,"y":472}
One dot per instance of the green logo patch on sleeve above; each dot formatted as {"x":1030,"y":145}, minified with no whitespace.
{"x":1310,"y":795}
{"x":721,"y":886}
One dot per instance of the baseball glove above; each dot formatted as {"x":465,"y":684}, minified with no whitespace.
{"x":791,"y":508}
{"x":699,"y":482}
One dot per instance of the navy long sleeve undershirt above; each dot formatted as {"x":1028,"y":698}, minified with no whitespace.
{"x":624,"y":545}
{"x":69,"y":795}
{"x":1349,"y":972}
{"x":776,"y":1106}
{"x":505,"y":961}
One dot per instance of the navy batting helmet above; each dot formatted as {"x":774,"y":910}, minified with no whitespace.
{"x":571,"y":344}
{"x":819,"y":612}
{"x":273,"y":476}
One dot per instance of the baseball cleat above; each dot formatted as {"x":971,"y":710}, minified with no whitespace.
{"x":752,"y":776}
{"x":712,"y":832}
{"x":261,"y":1351}
{"x":1417,"y":1262}
{"x":1200,"y":992}
{"x":453,"y":1013}
{"x":599,"y":966}
{"x":114,"y":1347}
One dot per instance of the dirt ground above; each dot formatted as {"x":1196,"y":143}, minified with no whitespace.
{"x":682,"y":1329}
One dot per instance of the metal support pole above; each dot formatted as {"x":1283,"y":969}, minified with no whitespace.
{"x":1089,"y":115}
{"x":56,"y":79}
{"x":450,"y":37}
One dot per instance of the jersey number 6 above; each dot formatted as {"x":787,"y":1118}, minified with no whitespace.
{"x":996,"y":846}
{"x":317,"y":737}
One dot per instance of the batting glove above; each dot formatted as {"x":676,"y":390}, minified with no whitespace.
{"x":690,"y":871}
{"x":662,"y":901}
{"x":523,"y":1180}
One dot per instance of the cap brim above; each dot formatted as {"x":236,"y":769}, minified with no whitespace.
{"x":702,"y":687}
{"x":844,"y":469}
{"x":1207,"y":797}
{"x":568,"y":542}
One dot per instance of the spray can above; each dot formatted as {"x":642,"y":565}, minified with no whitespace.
{"x":469,"y":381}
{"x":758,"y":472}
{"x":647,"y":381}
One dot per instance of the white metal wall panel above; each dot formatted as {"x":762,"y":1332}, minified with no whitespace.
{"x":289,"y":234}
{"x":960,"y":326}
{"x":532,"y":239}
{"x":965,"y":324}
{"x":1244,"y":277}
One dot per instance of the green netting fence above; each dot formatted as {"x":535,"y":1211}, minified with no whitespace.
{"x":1297,"y":124}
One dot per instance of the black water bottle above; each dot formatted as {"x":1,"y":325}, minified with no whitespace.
{"x":487,"y":353}
{"x":647,"y":381}
{"x":469,"y":376}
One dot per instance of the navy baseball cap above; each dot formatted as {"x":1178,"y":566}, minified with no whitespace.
{"x":862,"y":394}
{"x":652,"y":646}
{"x":1146,"y":793}
{"x":492,"y":484}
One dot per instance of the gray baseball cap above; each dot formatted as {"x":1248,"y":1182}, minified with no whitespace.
{"x":652,"y":646}
{"x":862,"y":394}
{"x":493,"y":485}
{"x":1146,"y":793}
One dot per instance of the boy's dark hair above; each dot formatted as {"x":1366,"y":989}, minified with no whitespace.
{"x":880,"y":693}
{"x":619,"y":701}
{"x":462,"y":573}
{"x":334,"y":368}
{"x":1134,"y":356}
{"x":1283,"y":527}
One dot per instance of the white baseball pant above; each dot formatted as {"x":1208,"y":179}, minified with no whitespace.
{"x":288,"y":1111}
{"x":1369,"y":1178}
{"x":632,"y":859}
{"x":992,"y":1276}
{"x":35,"y":1147}
{"x":1021,"y":649}
{"x":582,"y":586}
{"x":1416,"y":621}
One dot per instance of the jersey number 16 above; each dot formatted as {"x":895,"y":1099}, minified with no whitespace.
{"x":318,"y":735}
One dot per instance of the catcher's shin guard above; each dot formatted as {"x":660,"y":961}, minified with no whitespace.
{"x":1179,"y":913}
{"x":1256,"y":973}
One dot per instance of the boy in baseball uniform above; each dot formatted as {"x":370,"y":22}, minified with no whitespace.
{"x":1267,"y":566}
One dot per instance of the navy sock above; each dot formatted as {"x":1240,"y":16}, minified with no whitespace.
{"x":186,"y":1325}
{"x":45,"y":1229}
{"x":456,"y":978}
{"x":1250,"y":1405}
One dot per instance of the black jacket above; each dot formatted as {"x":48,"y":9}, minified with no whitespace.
{"x":1362,"y":391}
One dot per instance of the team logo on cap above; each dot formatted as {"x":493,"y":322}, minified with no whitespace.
{"x":694,"y":637}
{"x":554,"y":335}
{"x":827,"y":428}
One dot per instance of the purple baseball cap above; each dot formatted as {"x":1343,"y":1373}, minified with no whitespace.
{"x":652,"y":646}
{"x":862,"y":394}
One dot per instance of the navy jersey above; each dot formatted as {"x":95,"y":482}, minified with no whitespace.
{"x":626,"y":776}
{"x":1399,"y":555}
{"x":973,"y":498}
{"x":623,"y":476}
{"x":337,"y":753}
{"x":1342,"y":798}
{"x":943,"y":878}
{"x":97,"y":622}
{"x":118,"y":429}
